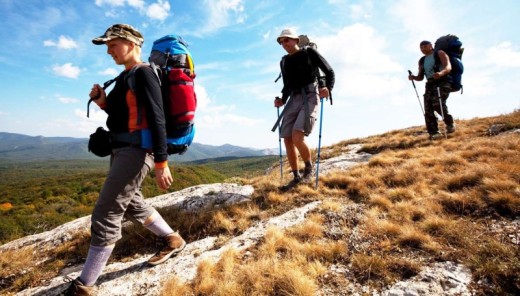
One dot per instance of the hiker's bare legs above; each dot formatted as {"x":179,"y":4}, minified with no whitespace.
{"x":298,"y":139}
{"x":296,"y":142}
{"x":290,"y":149}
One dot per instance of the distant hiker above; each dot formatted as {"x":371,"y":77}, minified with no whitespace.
{"x":121,"y":194}
{"x":302,"y":93}
{"x":435,"y":68}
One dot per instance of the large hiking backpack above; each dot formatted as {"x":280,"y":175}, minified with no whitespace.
{"x":173,"y":64}
{"x":171,"y":55}
{"x":452,"y":46}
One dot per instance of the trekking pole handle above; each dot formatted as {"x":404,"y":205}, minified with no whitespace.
{"x":410,"y":73}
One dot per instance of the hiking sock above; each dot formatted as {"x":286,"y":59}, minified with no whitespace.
{"x":296,"y":174}
{"x":308,"y":164}
{"x":159,"y":227}
{"x":96,"y":260}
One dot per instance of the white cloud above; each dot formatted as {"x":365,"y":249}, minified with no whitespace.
{"x":504,"y":55}
{"x":66,"y":70}
{"x":210,"y":115}
{"x":212,"y":66}
{"x":66,"y":100}
{"x":267,"y":35}
{"x":63,"y":42}
{"x":362,"y":10}
{"x":360,"y":65}
{"x":203,"y":100}
{"x":136,"y":3}
{"x":420,"y":19}
{"x":222,"y":13}
{"x":109,"y":72}
{"x":110,"y":2}
{"x":158,"y":11}
{"x":96,"y":116}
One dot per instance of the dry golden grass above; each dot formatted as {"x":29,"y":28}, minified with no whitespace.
{"x":286,"y":263}
{"x":418,"y":201}
{"x":18,"y":268}
{"x":424,"y":198}
{"x":383,"y":270}
{"x":330,"y":205}
{"x":424,"y":201}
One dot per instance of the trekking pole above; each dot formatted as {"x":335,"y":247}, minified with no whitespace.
{"x":280,"y":146}
{"x":417,"y":94}
{"x":319,"y":144}
{"x":442,"y":112}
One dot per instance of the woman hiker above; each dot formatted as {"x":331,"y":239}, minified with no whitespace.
{"x":121,"y":194}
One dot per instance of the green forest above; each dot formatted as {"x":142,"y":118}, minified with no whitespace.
{"x":38,"y":196}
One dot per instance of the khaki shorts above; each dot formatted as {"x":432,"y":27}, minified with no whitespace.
{"x":294,"y":114}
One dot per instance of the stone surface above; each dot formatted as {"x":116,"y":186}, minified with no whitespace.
{"x":137,"y":278}
{"x":189,"y":199}
{"x":346,"y":160}
{"x":444,"y":278}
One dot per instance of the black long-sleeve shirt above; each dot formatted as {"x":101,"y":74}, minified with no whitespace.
{"x":125,"y":109}
{"x":300,"y":69}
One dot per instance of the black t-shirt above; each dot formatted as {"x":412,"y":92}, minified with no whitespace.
{"x":301,"y":69}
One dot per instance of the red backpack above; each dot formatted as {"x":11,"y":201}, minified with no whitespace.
{"x":173,"y":66}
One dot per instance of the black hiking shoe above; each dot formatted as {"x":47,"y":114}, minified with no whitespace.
{"x":308,"y":173}
{"x":450,"y":129}
{"x":435,"y":136}
{"x":290,"y":185}
{"x":77,"y":288}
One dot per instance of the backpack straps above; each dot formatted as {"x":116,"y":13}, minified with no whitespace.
{"x":105,"y":85}
{"x":282,"y":63}
{"x":130,"y":80}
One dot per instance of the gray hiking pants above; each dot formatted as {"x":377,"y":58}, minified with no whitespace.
{"x":121,"y":195}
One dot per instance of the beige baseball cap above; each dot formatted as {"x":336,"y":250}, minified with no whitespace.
{"x":120,"y":31}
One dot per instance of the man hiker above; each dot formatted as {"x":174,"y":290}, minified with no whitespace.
{"x":436,"y":70}
{"x":121,"y":194}
{"x":302,"y":92}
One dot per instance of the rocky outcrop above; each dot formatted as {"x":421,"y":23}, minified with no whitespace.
{"x":444,"y":278}
{"x":136,"y":277}
{"x":190,"y":199}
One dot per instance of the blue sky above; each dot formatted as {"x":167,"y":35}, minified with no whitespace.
{"x":48,"y":62}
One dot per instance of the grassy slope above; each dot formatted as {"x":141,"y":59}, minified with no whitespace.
{"x":414,"y":203}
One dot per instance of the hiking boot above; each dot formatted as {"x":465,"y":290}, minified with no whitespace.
{"x":435,"y":136}
{"x":450,"y":129}
{"x":77,"y":288}
{"x":308,"y":173}
{"x":174,"y":244}
{"x":290,"y":185}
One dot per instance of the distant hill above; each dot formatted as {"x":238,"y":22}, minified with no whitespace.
{"x":23,"y":148}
